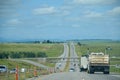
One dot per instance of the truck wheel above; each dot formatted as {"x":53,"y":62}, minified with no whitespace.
{"x":91,"y":71}
{"x":87,"y":71}
{"x":80,"y":70}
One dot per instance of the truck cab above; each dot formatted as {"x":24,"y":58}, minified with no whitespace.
{"x":83,"y":63}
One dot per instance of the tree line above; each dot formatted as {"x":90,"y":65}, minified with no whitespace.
{"x":6,"y":55}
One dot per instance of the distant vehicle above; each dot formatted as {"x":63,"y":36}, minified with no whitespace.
{"x":23,"y":69}
{"x":13,"y":71}
{"x":59,"y":64}
{"x":57,"y":68}
{"x":98,"y":62}
{"x":117,"y":66}
{"x":84,"y":63}
{"x":3,"y":68}
{"x":71,"y":70}
{"x":74,"y":64}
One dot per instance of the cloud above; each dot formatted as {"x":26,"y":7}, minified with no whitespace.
{"x":94,"y":2}
{"x":12,"y":22}
{"x":44,"y":10}
{"x":8,"y":7}
{"x":9,"y":2}
{"x":109,"y":13}
{"x":51,"y":11}
{"x":92,"y":14}
{"x":114,"y":12}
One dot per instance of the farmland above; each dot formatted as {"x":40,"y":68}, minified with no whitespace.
{"x":98,"y":46}
{"x":51,"y":50}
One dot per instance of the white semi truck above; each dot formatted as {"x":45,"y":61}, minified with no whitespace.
{"x":83,"y":63}
{"x":98,"y":62}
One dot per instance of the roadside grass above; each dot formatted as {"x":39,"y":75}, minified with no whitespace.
{"x":42,"y":62}
{"x":100,"y":47}
{"x":67,"y":63}
{"x":12,"y":64}
{"x":22,"y":75}
{"x":114,"y":69}
{"x":51,"y":50}
{"x":48,"y":64}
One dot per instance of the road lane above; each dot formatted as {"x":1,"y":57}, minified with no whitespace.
{"x":60,"y":65}
{"x":73,"y":61}
{"x":79,"y":76}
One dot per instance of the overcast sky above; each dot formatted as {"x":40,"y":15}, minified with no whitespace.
{"x":59,"y":19}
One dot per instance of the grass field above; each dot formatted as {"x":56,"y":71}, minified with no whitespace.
{"x":12,"y":64}
{"x":42,"y":62}
{"x":52,"y":50}
{"x":97,"y":46}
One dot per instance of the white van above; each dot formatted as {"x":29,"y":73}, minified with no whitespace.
{"x":84,"y":63}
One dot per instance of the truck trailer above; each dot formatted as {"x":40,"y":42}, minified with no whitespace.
{"x":98,"y":62}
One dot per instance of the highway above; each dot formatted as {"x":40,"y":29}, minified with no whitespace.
{"x":75,"y":75}
{"x":73,"y":62}
{"x":60,"y":65}
{"x":80,"y":76}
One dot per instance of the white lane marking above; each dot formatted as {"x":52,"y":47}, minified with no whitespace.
{"x":83,"y":78}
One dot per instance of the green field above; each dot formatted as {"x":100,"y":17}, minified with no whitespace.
{"x":100,"y":46}
{"x":12,"y":64}
{"x":51,"y":50}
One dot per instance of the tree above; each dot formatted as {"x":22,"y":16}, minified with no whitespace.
{"x":79,"y":44}
{"x":41,"y":54}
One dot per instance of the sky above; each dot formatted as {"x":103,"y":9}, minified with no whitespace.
{"x":59,"y":19}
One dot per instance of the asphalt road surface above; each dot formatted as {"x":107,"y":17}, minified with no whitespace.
{"x":31,"y":62}
{"x":79,"y":76}
{"x":60,"y":65}
{"x":73,"y":58}
{"x":76,"y":75}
